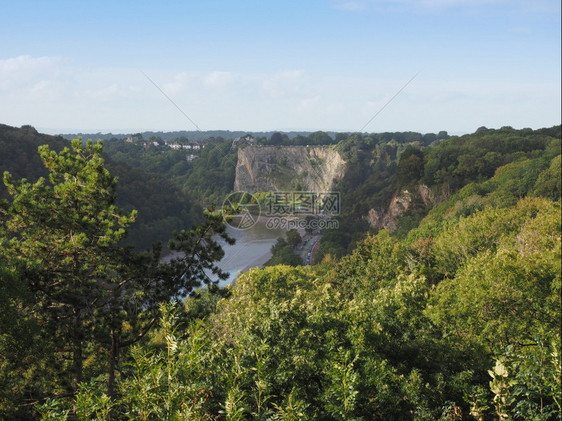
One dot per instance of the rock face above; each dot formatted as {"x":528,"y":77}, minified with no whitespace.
{"x":388,"y":219}
{"x":288,"y":168}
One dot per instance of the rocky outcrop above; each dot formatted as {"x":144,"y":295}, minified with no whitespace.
{"x":287,"y":168}
{"x":388,"y":218}
{"x":426,"y":195}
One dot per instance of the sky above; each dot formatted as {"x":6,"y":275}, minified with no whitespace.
{"x":258,"y":65}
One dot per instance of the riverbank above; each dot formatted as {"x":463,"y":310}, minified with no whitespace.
{"x":252,"y":248}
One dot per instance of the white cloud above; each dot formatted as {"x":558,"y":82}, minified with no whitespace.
{"x":23,"y":72}
{"x":218,"y":79}
{"x":284,"y":83}
{"x":310,"y":104}
{"x":105,"y":93}
{"x":179,"y":83}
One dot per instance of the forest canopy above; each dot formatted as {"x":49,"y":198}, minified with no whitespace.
{"x":456,"y":316}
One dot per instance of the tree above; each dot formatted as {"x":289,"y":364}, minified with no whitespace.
{"x":276,"y":139}
{"x":63,"y":239}
{"x":320,"y":138}
{"x":283,"y":254}
{"x":86,"y":290}
{"x":293,"y":237}
{"x":18,"y":337}
{"x":410,"y":167}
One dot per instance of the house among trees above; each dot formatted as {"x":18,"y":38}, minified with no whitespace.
{"x":244,"y":140}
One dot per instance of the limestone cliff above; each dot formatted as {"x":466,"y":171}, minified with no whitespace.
{"x":276,"y":168}
{"x":388,"y":218}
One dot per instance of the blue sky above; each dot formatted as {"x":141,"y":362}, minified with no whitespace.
{"x":69,"y":66}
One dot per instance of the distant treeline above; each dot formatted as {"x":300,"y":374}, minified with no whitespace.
{"x":268,"y":137}
{"x":188,"y":134}
{"x":325,"y":138}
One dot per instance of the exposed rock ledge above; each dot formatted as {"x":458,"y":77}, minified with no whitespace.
{"x":387,"y":219}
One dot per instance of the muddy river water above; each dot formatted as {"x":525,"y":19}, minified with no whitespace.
{"x":252,"y":248}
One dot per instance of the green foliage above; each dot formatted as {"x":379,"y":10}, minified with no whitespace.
{"x":341,"y":241}
{"x":548,"y":183}
{"x":510,"y":183}
{"x":532,"y":378}
{"x":18,"y":152}
{"x":410,"y":166}
{"x":316,"y":139}
{"x":370,"y":337}
{"x":174,"y":184}
{"x":514,"y":254}
{"x":61,"y":238}
{"x":52,"y":410}
{"x":198,"y":249}
{"x":376,"y":261}
{"x":341,"y":393}
{"x":210,"y":177}
{"x":278,"y":303}
{"x":293,"y":237}
{"x":163,"y":208}
{"x":168,"y":384}
{"x":457,"y":319}
{"x":146,"y":181}
{"x":20,"y":335}
{"x":78,"y":294}
{"x":283,"y":253}
{"x":458,"y":161}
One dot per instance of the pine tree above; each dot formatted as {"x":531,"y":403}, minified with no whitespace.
{"x":64,"y":236}
{"x":91,"y":295}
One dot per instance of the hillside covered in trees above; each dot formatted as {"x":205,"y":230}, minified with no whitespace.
{"x":380,"y":167}
{"x":454,"y":315}
{"x":163,"y":206}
